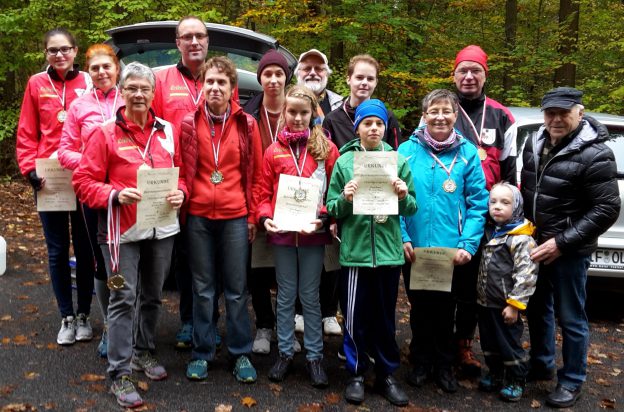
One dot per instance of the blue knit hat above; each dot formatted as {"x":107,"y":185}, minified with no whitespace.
{"x":368,"y":108}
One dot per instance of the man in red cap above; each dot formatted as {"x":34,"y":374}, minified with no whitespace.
{"x":490,"y":126}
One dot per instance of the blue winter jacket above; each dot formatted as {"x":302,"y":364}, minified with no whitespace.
{"x":445,"y":219}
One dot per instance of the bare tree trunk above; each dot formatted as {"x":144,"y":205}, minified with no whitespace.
{"x":511,"y":27}
{"x":569,"y":11}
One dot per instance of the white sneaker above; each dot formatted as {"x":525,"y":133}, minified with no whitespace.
{"x":67,"y":334}
{"x":296,"y":345}
{"x":262,"y":343}
{"x":299,"y":323}
{"x":331,"y":326}
{"x":84,"y":332}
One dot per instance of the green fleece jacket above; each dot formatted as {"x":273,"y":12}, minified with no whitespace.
{"x":366,"y":243}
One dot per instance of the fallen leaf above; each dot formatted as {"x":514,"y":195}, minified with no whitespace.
{"x":6,"y":341}
{"x":143,"y":386}
{"x":310,"y":407}
{"x":30,"y":308}
{"x":601,"y":330}
{"x":31,"y":375}
{"x":607,"y":403}
{"x":593,"y":361}
{"x":526,"y":345}
{"x":332,"y":398}
{"x":275,"y":388}
{"x":28,"y":283}
{"x":23,"y":297}
{"x":49,"y":405}
{"x":18,"y":407}
{"x":98,"y":387}
{"x":535,"y":404}
{"x":7,"y":390}
{"x":248,"y":401}
{"x":52,"y":345}
{"x":616,"y":372}
{"x":20,"y":340}
{"x":90,"y":377}
{"x":6,"y":318}
{"x":603,"y":382}
{"x":467,"y":383}
{"x":223,"y":408}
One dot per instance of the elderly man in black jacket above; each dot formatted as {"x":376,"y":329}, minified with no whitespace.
{"x":570,"y":192}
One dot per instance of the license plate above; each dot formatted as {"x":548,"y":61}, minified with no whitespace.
{"x":608,"y":259}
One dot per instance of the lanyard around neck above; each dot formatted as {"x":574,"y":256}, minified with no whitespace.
{"x":472,"y":125}
{"x":217,"y":148}
{"x":273,"y":135}
{"x":61,"y":98}
{"x":110,"y":113}
{"x":196,"y":98}
{"x":296,"y":160}
{"x":449,"y":169}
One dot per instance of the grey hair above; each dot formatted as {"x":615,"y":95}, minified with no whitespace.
{"x":578,"y":107}
{"x":440,"y":94}
{"x":325,"y":66}
{"x":137,"y":70}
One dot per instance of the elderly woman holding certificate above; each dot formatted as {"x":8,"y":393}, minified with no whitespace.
{"x":107,"y":179}
{"x":371,"y":259}
{"x":453,"y":202}
{"x":295,"y":174}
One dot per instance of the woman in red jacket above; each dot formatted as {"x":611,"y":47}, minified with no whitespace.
{"x":106,"y":179}
{"x":86,"y":113}
{"x":44,"y":110}
{"x":304,"y":151}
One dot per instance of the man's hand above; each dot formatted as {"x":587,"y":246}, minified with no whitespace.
{"x":547,"y":252}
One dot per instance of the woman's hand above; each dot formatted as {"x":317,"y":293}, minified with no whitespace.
{"x":408,"y":251}
{"x":400,"y":188}
{"x":510,"y":315}
{"x":315,"y":225}
{"x":349,"y":190}
{"x":129,"y":196}
{"x":461,"y":257}
{"x":175,"y":198}
{"x":270,"y":227}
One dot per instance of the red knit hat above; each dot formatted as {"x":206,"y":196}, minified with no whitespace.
{"x":273,"y":57}
{"x":474,"y":54}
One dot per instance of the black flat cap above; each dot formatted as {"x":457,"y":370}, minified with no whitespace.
{"x":562,"y":97}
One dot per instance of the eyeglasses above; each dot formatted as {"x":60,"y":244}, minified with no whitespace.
{"x":317,"y":69}
{"x":53,"y":51}
{"x":475,"y":72}
{"x":444,"y":113}
{"x":135,"y":90}
{"x":189,"y":36}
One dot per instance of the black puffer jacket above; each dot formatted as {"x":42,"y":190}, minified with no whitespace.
{"x":576,"y":197}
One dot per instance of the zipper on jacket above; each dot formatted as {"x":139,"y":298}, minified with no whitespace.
{"x":372,"y":231}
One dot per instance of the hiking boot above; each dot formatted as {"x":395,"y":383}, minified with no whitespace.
{"x":318,"y":376}
{"x":331,"y":326}
{"x":184,"y":337}
{"x":102,"y":349}
{"x":149,"y":365}
{"x":67,"y":333}
{"x":244,"y":370}
{"x":468,"y":362}
{"x":281,"y":368}
{"x":125,"y":392}
{"x":262,"y":343}
{"x":197,"y":370}
{"x":84,"y":332}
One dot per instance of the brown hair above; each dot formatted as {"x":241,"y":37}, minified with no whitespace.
{"x":58,"y":31}
{"x":189,"y":17}
{"x":362,"y":58}
{"x":223,"y":65}
{"x":101,"y":50}
{"x":318,"y":144}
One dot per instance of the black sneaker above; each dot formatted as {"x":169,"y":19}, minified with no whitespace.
{"x":318,"y":377}
{"x":390,"y":389}
{"x":445,"y":378}
{"x":354,"y":392}
{"x":281,"y":368}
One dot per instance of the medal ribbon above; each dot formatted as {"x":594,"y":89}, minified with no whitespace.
{"x":114,"y":233}
{"x":472,"y":125}
{"x":195,"y":99}
{"x":449,"y":169}
{"x":295,"y":160}
{"x":110,"y":112}
{"x":147,"y":145}
{"x":273,"y":136}
{"x":60,"y":98}
{"x":344,"y":108}
{"x":215,"y":150}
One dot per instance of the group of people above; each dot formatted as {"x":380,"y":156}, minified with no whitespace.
{"x":455,"y":184}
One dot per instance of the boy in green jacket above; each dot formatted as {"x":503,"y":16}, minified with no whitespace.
{"x":371,"y":256}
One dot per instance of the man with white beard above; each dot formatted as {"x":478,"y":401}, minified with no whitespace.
{"x":313,"y":72}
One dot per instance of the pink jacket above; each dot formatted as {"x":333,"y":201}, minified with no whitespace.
{"x":85,"y":113}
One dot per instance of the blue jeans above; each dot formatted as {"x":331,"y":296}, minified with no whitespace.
{"x":56,"y":230}
{"x":298,"y":273}
{"x":561,"y":292}
{"x":217,"y":253}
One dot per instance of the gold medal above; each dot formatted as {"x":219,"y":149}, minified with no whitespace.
{"x":380,"y":218}
{"x":449,"y":185}
{"x":116,"y":282}
{"x":482,"y":154}
{"x":61,"y":116}
{"x":216,"y":177}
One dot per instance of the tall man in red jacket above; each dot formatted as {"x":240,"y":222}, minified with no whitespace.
{"x":491,"y":127}
{"x":178,"y":92}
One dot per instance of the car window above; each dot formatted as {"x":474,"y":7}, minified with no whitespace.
{"x":616,"y":143}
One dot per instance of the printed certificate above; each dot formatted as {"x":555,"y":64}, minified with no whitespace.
{"x":374,"y":172}
{"x":297,"y":202}
{"x":57,"y":194}
{"x":432,"y":268}
{"x":153,"y":210}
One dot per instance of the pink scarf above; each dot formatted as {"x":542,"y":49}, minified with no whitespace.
{"x":439,"y":146}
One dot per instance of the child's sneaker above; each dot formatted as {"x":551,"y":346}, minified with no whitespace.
{"x":149,"y":365}
{"x":244,"y":370}
{"x":184,"y":337}
{"x":67,"y":334}
{"x":197,"y":370}
{"x":512,"y":392}
{"x":84,"y":332}
{"x":125,"y":392}
{"x":490,"y":383}
{"x":102,"y":349}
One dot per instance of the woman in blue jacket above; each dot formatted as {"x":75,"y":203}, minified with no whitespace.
{"x":450,"y":184}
